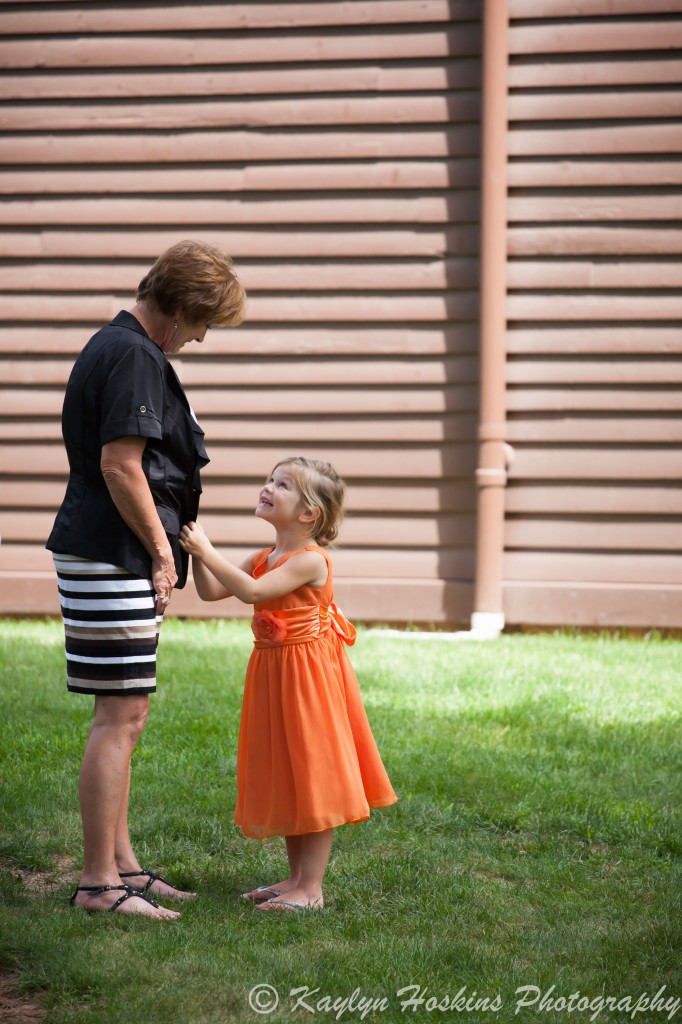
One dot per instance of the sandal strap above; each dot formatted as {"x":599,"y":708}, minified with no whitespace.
{"x":96,"y":889}
{"x":286,"y":903}
{"x":128,"y":891}
{"x":132,"y":892}
{"x":150,"y":875}
{"x":262,"y":898}
{"x":100,"y":888}
{"x":126,"y":896}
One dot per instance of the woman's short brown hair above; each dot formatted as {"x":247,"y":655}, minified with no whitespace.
{"x":196,"y":280}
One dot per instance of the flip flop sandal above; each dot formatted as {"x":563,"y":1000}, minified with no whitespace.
{"x":260,"y":899}
{"x":152,"y":876}
{"x":128,"y":891}
{"x":288,"y":905}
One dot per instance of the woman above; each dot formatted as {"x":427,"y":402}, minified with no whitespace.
{"x":135,"y":451}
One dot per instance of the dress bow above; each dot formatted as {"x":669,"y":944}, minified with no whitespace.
{"x":341,"y":626}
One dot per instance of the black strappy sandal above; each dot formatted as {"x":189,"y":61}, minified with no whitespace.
{"x":128,"y":891}
{"x":152,"y":876}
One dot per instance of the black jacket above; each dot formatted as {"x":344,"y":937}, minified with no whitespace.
{"x":122,"y":385}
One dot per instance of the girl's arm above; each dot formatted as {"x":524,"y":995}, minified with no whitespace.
{"x":208,"y":587}
{"x":307,"y":567}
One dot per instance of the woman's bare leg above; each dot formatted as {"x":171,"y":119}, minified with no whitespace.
{"x":126,"y":861}
{"x":103,"y":791}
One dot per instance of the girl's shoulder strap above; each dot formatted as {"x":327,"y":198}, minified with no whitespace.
{"x":260,"y":558}
{"x":299,"y":551}
{"x":316,"y":549}
{"x":328,"y":561}
{"x":319,"y":551}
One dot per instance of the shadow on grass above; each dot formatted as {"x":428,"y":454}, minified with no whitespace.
{"x":536,"y":839}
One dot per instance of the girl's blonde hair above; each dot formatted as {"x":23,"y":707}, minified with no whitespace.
{"x":322,"y":489}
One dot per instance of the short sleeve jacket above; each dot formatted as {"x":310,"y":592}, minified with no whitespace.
{"x":122,"y":385}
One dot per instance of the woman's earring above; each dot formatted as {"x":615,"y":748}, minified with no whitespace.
{"x":175,"y":325}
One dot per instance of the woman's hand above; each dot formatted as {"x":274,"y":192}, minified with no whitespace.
{"x":194,"y":541}
{"x":164,"y":578}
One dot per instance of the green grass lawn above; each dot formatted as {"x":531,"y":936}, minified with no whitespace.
{"x":535,"y":848}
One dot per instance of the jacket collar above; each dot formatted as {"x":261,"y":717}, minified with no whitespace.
{"x":126,"y":319}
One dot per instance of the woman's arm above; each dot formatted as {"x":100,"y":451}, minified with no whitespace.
{"x":307,"y":567}
{"x":121,"y":465}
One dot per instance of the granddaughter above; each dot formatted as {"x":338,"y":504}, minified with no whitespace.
{"x":307,"y":761}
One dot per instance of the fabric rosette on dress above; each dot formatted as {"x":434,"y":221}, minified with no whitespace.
{"x":268,"y":627}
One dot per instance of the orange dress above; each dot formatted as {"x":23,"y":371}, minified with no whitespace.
{"x":306,"y":760}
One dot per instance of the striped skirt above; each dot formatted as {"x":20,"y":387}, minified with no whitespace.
{"x":111,"y":627}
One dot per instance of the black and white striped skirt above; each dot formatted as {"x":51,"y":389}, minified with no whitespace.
{"x":111,"y":627}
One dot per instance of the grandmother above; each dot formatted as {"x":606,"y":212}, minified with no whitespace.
{"x":135,"y":450}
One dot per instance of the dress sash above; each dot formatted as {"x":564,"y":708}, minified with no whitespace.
{"x":300,"y":625}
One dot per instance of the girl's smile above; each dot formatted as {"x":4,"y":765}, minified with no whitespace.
{"x":280,"y":495}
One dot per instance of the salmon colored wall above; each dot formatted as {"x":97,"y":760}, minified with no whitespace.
{"x":594,"y":316}
{"x":332,"y":148}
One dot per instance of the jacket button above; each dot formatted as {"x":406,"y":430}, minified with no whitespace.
{"x":143,"y":408}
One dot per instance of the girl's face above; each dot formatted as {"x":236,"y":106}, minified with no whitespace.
{"x":280,"y":500}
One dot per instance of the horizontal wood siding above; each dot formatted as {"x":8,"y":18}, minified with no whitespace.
{"x":333,"y":149}
{"x":594,"y":314}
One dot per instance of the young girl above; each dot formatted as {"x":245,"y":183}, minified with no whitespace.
{"x":307,"y":761}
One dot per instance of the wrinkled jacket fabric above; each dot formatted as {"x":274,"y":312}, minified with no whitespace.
{"x":121,"y":385}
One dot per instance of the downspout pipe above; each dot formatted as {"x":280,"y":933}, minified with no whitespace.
{"x":493,"y":451}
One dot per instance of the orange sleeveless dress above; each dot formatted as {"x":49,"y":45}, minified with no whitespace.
{"x":306,"y":760}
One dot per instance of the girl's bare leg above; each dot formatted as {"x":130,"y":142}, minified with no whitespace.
{"x":294,"y":853}
{"x":313,"y":856}
{"x":294,"y":858}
